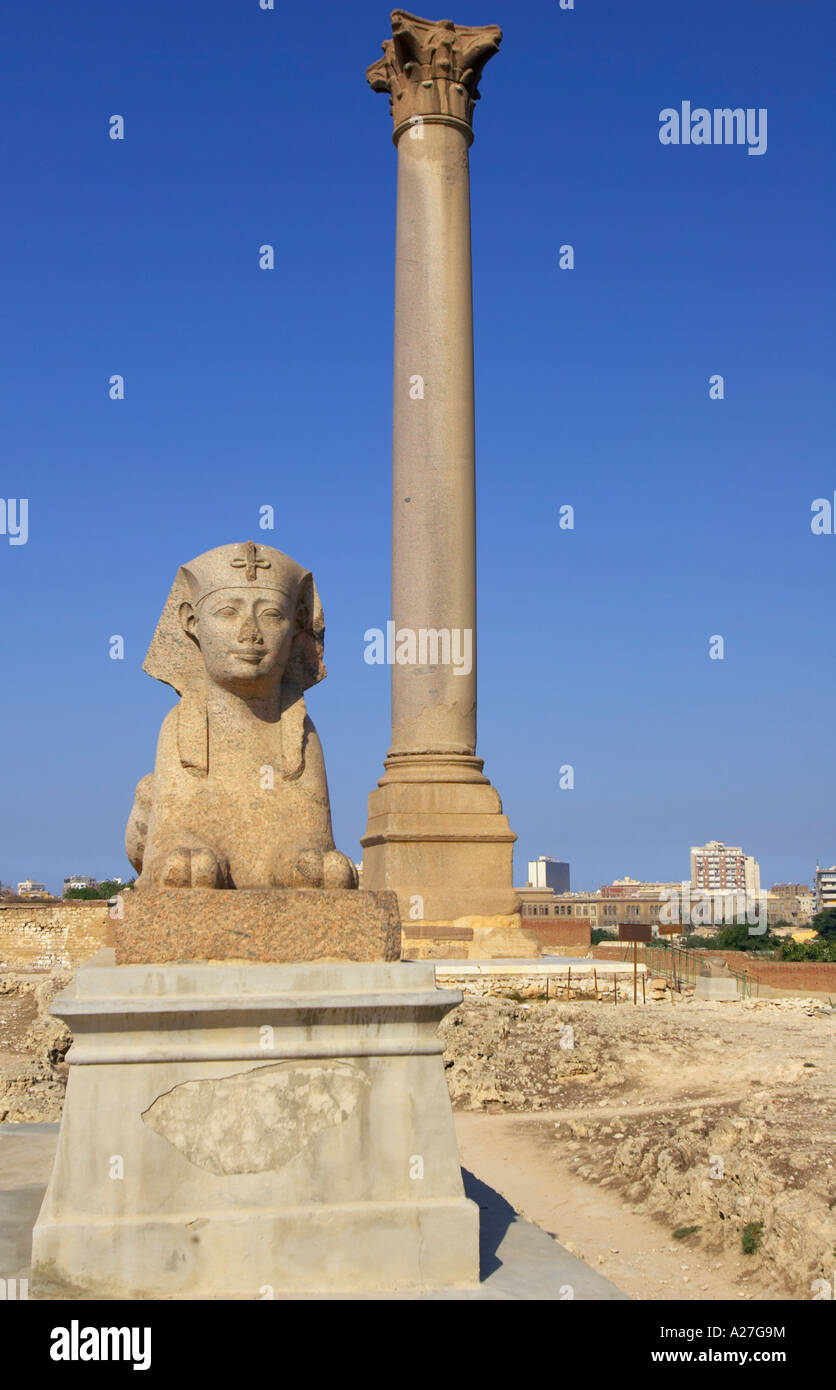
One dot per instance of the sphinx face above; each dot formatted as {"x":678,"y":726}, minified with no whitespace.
{"x":244,"y":637}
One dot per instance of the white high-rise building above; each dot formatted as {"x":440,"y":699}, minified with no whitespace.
{"x":548,"y":873}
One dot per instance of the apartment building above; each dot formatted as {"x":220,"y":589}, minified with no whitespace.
{"x":825,"y":888}
{"x":793,"y":903}
{"x":717,"y":867}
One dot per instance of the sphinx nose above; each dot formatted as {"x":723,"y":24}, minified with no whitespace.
{"x":250,"y":633}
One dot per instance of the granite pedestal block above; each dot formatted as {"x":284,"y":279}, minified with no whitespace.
{"x":262,"y":924}
{"x":237,"y":1130}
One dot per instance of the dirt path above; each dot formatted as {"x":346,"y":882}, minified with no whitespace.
{"x":517,"y":1155}
{"x":612,"y":1128}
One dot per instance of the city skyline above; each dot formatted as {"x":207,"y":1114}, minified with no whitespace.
{"x":767,"y":882}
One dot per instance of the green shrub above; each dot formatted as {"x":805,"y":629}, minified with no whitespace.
{"x":106,"y":889}
{"x":808,"y":950}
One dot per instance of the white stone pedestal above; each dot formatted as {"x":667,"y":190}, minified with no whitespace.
{"x":241,"y":1130}
{"x":715,"y":987}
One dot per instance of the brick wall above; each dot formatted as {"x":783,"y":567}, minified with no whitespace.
{"x":617,"y":950}
{"x":560,"y":938}
{"x":52,"y":936}
{"x":815,"y":975}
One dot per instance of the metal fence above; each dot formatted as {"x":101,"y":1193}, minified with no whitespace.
{"x":681,"y":967}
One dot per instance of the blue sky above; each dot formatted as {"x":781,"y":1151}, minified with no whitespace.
{"x":247,"y":387}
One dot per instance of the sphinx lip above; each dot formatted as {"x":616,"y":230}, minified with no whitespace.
{"x":252,"y":657}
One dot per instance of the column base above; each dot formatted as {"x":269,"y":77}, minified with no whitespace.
{"x":437,"y":837}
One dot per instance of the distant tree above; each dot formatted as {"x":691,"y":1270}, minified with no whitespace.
{"x":695,"y":942}
{"x":734,"y":937}
{"x":808,"y":950}
{"x":106,"y":889}
{"x":825,"y":922}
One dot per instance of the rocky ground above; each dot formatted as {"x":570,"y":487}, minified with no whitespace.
{"x":715,"y":1117}
{"x":32,"y":1047}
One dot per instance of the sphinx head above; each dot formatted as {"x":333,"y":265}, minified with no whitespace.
{"x":250,"y":613}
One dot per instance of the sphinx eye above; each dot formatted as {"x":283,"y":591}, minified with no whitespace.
{"x":270,"y":613}
{"x":224,"y":612}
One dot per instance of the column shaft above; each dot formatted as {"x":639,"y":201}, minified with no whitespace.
{"x":433,"y":501}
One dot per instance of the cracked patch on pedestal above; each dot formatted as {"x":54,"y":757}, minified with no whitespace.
{"x":256,"y":1121}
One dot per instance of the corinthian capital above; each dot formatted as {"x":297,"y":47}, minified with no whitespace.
{"x":431,"y":68}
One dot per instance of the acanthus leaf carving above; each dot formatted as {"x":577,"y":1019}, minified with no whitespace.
{"x":431,"y":68}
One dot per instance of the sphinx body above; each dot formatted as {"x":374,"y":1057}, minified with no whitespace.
{"x":238,"y":797}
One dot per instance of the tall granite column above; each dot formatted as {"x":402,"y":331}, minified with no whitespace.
{"x":436,"y":833}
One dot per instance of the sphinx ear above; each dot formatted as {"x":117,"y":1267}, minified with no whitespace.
{"x":188,"y":620}
{"x":305,"y":666}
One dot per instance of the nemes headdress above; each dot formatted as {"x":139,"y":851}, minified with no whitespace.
{"x":173,"y":657}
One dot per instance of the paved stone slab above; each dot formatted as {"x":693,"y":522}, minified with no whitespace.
{"x":26,"y":1155}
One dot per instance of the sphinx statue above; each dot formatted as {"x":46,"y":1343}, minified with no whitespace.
{"x":238,"y":797}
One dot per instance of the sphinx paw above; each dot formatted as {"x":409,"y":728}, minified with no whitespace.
{"x":307,"y":871}
{"x":192,"y":868}
{"x":338,"y":871}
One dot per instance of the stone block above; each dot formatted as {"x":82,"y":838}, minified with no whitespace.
{"x":715,"y":987}
{"x":259,"y":924}
{"x":236,"y":1129}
